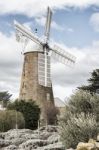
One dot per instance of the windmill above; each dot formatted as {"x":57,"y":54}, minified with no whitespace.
{"x":36,"y":79}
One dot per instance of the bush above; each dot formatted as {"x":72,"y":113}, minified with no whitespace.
{"x":83,"y":101}
{"x":79,"y":128}
{"x":5,"y":98}
{"x":30,"y":111}
{"x":8,"y":120}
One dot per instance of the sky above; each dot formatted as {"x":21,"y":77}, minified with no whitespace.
{"x":75,"y":27}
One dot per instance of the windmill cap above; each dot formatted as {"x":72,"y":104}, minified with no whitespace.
{"x":31,"y":46}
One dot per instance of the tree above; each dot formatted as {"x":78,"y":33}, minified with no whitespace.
{"x":30,"y":111}
{"x":5,"y":97}
{"x":8,"y":120}
{"x":93,"y":86}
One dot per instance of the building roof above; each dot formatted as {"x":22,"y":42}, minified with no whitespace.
{"x":1,"y":108}
{"x":59,"y":102}
{"x":32,"y":46}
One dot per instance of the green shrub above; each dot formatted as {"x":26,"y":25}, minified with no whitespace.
{"x":8,"y":120}
{"x":78,"y":128}
{"x":30,"y":111}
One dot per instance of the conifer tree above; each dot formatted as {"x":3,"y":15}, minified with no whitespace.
{"x":93,"y":86}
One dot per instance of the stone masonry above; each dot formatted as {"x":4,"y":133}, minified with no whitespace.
{"x":30,"y":88}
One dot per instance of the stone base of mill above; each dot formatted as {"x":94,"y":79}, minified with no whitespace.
{"x":30,"y":88}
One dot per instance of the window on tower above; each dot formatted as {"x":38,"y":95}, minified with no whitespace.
{"x":48,"y":96}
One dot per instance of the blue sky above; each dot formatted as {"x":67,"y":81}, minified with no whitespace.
{"x":75,"y":26}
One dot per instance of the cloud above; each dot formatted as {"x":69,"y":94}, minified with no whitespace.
{"x":65,"y":91}
{"x":10,"y":63}
{"x":42,"y":20}
{"x":36,"y":7}
{"x":70,"y":30}
{"x":28,"y":25}
{"x":94,"y":20}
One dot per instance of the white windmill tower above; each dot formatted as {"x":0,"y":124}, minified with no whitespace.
{"x":36,"y":80}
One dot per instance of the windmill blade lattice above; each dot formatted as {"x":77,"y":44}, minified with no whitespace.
{"x":63,"y":56}
{"x":48,"y":24}
{"x":27,"y":33}
{"x":42,"y":70}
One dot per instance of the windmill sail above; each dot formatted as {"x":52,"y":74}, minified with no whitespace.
{"x":63,"y":56}
{"x":48,"y":24}
{"x":22,"y":31}
{"x":42,"y":79}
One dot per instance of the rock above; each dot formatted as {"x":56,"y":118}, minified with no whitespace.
{"x":25,"y":139}
{"x":31,"y":144}
{"x":49,"y":128}
{"x":4,"y":143}
{"x":12,"y":134}
{"x":1,"y":135}
{"x":44,"y":135}
{"x":91,"y":141}
{"x":18,"y":141}
{"x":92,"y":145}
{"x":70,"y":149}
{"x":11,"y":147}
{"x":55,"y":146}
{"x":54,"y":138}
